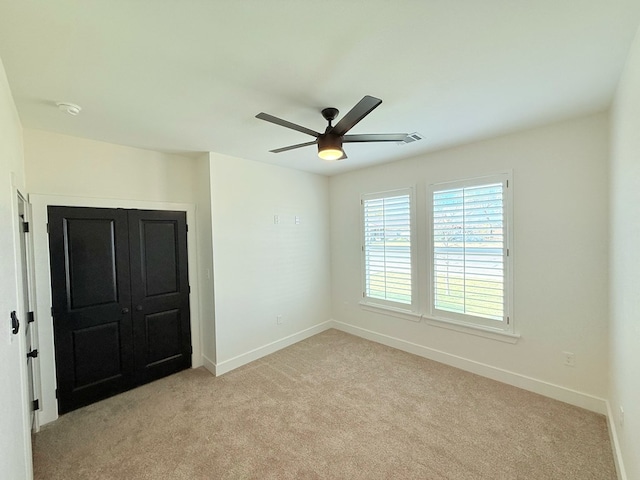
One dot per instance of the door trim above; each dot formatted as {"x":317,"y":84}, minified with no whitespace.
{"x":30,"y":300}
{"x":16,"y":232}
{"x":39,"y":203}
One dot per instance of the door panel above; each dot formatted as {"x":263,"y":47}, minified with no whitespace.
{"x":91,"y":304}
{"x":163,"y":333}
{"x":120,"y":299}
{"x":91,"y":261}
{"x":96,"y":352}
{"x":160,"y":292}
{"x":159,"y":263}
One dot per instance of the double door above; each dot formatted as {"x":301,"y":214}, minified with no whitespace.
{"x":120,"y":300}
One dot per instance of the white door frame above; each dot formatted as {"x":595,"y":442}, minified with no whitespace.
{"x":19,"y":337}
{"x":30,"y":297}
{"x":39,"y":203}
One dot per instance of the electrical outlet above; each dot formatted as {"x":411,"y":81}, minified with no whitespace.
{"x":279,"y":320}
{"x":569,"y":359}
{"x":621,"y":416}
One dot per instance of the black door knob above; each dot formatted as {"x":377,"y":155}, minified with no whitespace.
{"x":138,"y":308}
{"x":125,"y":310}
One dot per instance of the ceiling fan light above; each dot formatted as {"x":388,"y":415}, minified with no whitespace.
{"x":330,"y":147}
{"x":331,"y":153}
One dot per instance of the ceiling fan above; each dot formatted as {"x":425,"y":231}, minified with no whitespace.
{"x":330,"y":142}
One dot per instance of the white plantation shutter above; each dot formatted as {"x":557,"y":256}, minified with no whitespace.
{"x":387,"y":253}
{"x":469,"y":251}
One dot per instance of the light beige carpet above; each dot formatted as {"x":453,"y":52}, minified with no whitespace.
{"x":331,"y":407}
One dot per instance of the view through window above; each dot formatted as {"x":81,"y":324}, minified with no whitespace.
{"x":469,"y":250}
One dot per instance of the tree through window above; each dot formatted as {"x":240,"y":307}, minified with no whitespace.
{"x":469,"y":251}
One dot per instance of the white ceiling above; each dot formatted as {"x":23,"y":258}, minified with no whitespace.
{"x":190,"y":75}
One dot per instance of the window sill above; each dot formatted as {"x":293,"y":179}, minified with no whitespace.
{"x":391,"y":311}
{"x":478,"y":331}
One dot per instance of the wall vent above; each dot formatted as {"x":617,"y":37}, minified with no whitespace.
{"x":410,"y":138}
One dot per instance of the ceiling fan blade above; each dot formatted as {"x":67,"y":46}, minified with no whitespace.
{"x":363,"y":108}
{"x":375,"y":137}
{"x":291,"y":147}
{"x":283,"y":123}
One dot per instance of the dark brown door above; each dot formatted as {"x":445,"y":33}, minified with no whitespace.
{"x":160,"y":293}
{"x":120,"y":300}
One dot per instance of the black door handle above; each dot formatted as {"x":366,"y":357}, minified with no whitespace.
{"x":125,"y":310}
{"x":138,"y":308}
{"x":15,"y":323}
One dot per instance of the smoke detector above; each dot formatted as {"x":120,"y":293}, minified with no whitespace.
{"x":70,"y":108}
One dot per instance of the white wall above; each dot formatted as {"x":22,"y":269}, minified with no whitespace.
{"x":205,"y":256}
{"x":263,"y":269}
{"x":559,"y":252}
{"x":625,"y":263}
{"x":15,"y":440}
{"x":64,"y":170}
{"x":63,"y":165}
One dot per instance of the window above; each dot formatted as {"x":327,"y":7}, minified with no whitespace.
{"x":388,"y":256}
{"x":470,"y":254}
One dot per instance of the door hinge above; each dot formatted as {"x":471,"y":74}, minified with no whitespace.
{"x":189,"y":288}
{"x":508,"y":320}
{"x":187,"y":226}
{"x":33,"y":354}
{"x":47,"y":228}
{"x":56,"y":393}
{"x":52,"y":311}
{"x":31,"y":317}
{"x":191,"y":349}
{"x":25,"y":227}
{"x":35,"y":405}
{"x":507,"y":252}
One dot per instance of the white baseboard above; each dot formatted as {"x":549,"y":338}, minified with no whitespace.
{"x":615,"y":444}
{"x":209,"y":364}
{"x":240,"y":360}
{"x":567,"y":395}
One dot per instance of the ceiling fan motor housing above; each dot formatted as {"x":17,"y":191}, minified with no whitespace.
{"x":328,"y":140}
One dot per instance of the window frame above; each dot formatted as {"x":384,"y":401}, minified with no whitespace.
{"x":506,"y":325}
{"x":411,"y":309}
